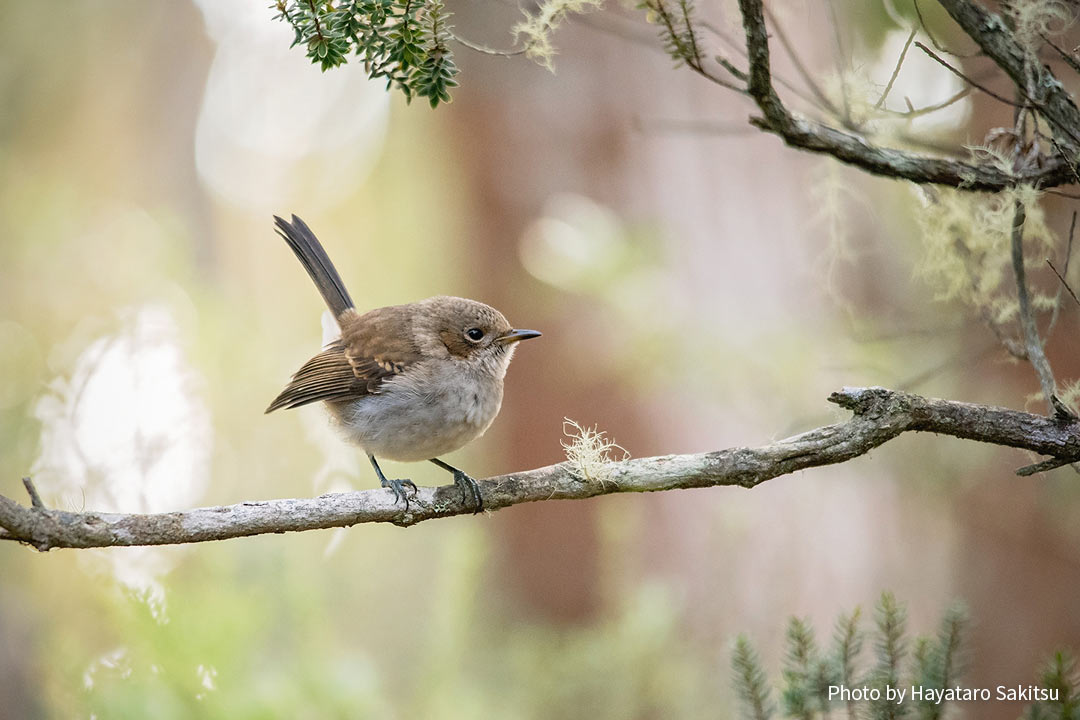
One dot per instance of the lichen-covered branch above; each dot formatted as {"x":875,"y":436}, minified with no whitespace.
{"x":879,"y":415}
{"x":851,"y":148}
{"x":1032,"y":78}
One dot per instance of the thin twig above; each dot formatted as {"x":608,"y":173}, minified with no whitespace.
{"x":741,"y":51}
{"x":35,"y":499}
{"x":1064,"y":283}
{"x":926,"y":29}
{"x":690,"y":55}
{"x":840,"y":59}
{"x":933,"y":41}
{"x":1032,"y":342}
{"x":801,"y":132}
{"x":1063,"y":193}
{"x":1044,"y":466}
{"x":1041,"y":89}
{"x":1068,"y":160}
{"x":914,"y":112}
{"x":485,"y":49}
{"x":1069,"y":59}
{"x":694,"y":127}
{"x":1061,"y":276}
{"x":896,"y":71}
{"x":965,"y":78}
{"x":730,"y":67}
{"x":800,"y":68}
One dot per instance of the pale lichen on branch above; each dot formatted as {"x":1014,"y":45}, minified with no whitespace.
{"x":588,"y":450}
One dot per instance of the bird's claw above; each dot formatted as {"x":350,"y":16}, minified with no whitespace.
{"x":469,"y":489}
{"x":397,"y":487}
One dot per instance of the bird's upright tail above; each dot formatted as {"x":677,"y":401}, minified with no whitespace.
{"x":310,"y":252}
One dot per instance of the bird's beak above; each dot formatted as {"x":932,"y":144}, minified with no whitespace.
{"x":516,"y":335}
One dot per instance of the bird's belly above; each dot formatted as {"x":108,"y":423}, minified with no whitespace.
{"x":399,"y":424}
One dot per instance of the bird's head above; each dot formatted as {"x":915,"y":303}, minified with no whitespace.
{"x":472,"y":330}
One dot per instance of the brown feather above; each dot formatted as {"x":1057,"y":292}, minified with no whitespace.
{"x":373,"y":347}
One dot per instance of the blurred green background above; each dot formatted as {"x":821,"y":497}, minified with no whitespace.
{"x":696,"y":290}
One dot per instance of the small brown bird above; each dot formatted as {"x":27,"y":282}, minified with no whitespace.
{"x":406,"y":382}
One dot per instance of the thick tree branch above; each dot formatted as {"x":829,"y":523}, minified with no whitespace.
{"x":1034,"y":79}
{"x":855,"y":150}
{"x":879,"y":415}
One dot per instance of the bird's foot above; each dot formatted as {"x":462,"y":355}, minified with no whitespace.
{"x":470,"y":490}
{"x":397,"y":487}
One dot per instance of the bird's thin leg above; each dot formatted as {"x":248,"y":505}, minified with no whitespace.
{"x":396,"y":486}
{"x":468,"y":486}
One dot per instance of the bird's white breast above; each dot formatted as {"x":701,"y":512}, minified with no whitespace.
{"x":432,"y":409}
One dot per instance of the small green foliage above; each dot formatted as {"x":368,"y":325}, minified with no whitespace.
{"x":890,"y":647}
{"x":808,"y":674}
{"x":678,"y":29}
{"x":435,"y":74}
{"x":938,"y":662}
{"x":751,"y":683}
{"x":1060,"y":675}
{"x":848,"y":640}
{"x":403,"y":41}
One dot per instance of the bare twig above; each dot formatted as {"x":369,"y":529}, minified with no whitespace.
{"x":1064,"y":283}
{"x":840,"y":58}
{"x":1056,"y":313}
{"x":800,"y":67}
{"x":896,"y":71}
{"x":35,"y":499}
{"x":1041,"y":467}
{"x":1067,"y":57}
{"x":688,"y":52}
{"x":853,"y":149}
{"x":740,"y":50}
{"x":485,"y":49}
{"x":1064,"y":194}
{"x":1036,"y":81}
{"x":926,"y":30}
{"x":878,"y":415}
{"x":734,"y":71}
{"x":1032,"y":342}
{"x":965,"y":78}
{"x":714,"y":128}
{"x":914,"y":112}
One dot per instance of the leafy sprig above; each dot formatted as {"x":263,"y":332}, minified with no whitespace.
{"x":405,"y":42}
{"x":809,"y":672}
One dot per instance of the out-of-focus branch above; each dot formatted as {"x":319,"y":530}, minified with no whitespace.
{"x":1032,"y":342}
{"x":1035,"y":80}
{"x":879,"y":415}
{"x":940,"y":61}
{"x":851,"y":148}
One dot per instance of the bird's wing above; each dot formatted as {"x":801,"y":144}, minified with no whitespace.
{"x":373,"y":348}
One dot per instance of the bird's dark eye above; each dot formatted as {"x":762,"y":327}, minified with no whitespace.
{"x":474,"y":334}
